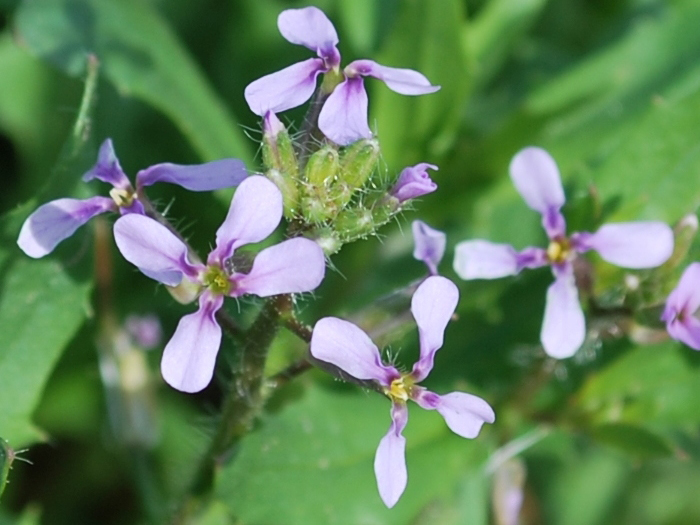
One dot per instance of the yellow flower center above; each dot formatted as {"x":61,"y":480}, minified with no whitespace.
{"x":400,"y":389}
{"x":216,"y":280}
{"x":559,"y":251}
{"x":122,"y":198}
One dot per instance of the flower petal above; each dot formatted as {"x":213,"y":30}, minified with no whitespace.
{"x":224,"y":173}
{"x":344,"y":345}
{"x":190,"y":355}
{"x":309,"y":27}
{"x":390,"y":459}
{"x":153,"y":248}
{"x":414,"y":182}
{"x":343,"y":117}
{"x":107,"y":169}
{"x":255,"y":212}
{"x":685,"y":298}
{"x":432,"y":306}
{"x":536,"y":177}
{"x":686,"y":330}
{"x":284,"y":89}
{"x":403,"y":81}
{"x":57,"y":220}
{"x":485,"y":260}
{"x":293,"y":266}
{"x":564,"y":326}
{"x":463,"y":413}
{"x":429,"y":245}
{"x":640,"y":244}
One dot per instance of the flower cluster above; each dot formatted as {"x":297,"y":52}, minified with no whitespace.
{"x":326,"y":191}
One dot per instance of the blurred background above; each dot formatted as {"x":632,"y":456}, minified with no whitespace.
{"x":610,"y":88}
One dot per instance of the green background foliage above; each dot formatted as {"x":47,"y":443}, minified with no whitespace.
{"x":611,"y":89}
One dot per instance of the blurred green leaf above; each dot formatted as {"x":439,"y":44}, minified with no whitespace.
{"x":41,"y":308}
{"x":313,"y":463}
{"x":637,"y":441}
{"x":427,"y":37}
{"x":654,"y":384}
{"x":141,"y":56}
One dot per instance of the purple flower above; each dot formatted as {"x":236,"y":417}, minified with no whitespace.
{"x":292,"y":266}
{"x":413,"y":182}
{"x":343,"y":118}
{"x":57,"y":220}
{"x":145,"y":330}
{"x":346,"y":346}
{"x":682,"y":305}
{"x":429,"y":245}
{"x":631,"y":245}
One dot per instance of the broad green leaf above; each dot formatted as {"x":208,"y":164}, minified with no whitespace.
{"x":41,"y":308}
{"x":654,"y":384}
{"x":141,"y":56}
{"x":637,"y":441}
{"x":427,"y":37}
{"x":313,"y":463}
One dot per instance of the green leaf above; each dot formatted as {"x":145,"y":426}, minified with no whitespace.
{"x":428,"y":38}
{"x":142,"y":57}
{"x":635,"y":440}
{"x":655,"y":384}
{"x":41,"y":308}
{"x":313,"y":463}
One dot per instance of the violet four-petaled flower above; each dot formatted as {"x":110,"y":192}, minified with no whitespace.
{"x":429,"y":245}
{"x":343,"y":117}
{"x":346,"y":346}
{"x":682,"y":305}
{"x":292,"y":266}
{"x":57,"y":220}
{"x":641,"y":244}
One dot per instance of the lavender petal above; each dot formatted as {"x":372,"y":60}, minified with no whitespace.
{"x":190,"y":355}
{"x":107,"y":169}
{"x":255,"y":212}
{"x":57,"y":220}
{"x":343,"y":117}
{"x":390,"y":459}
{"x":432,"y":306}
{"x":154,"y":249}
{"x":564,"y":326}
{"x":640,"y":244}
{"x":414,"y":182}
{"x":344,"y":345}
{"x":311,"y":28}
{"x":285,"y":89}
{"x":403,"y":81}
{"x":293,"y":266}
{"x":485,"y":260}
{"x":429,"y":245}
{"x":224,"y":173}
{"x":464,"y":413}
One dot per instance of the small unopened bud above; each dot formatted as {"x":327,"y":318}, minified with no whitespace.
{"x":328,"y":240}
{"x":413,"y":182}
{"x":358,"y":162}
{"x":280,"y":161}
{"x":322,"y":167}
{"x":354,"y":223}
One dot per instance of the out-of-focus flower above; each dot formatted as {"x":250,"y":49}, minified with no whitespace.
{"x":145,"y":330}
{"x":57,"y":220}
{"x":346,"y":346}
{"x":343,"y":117}
{"x":292,"y":266}
{"x":641,"y":244}
{"x":682,"y":305}
{"x":429,"y":245}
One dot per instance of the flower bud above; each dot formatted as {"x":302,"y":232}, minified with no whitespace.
{"x":320,"y":174}
{"x":413,"y":182}
{"x":354,"y":223}
{"x":281,"y":162}
{"x":358,"y":163}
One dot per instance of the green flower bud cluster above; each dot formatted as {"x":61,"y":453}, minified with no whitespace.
{"x":334,"y":196}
